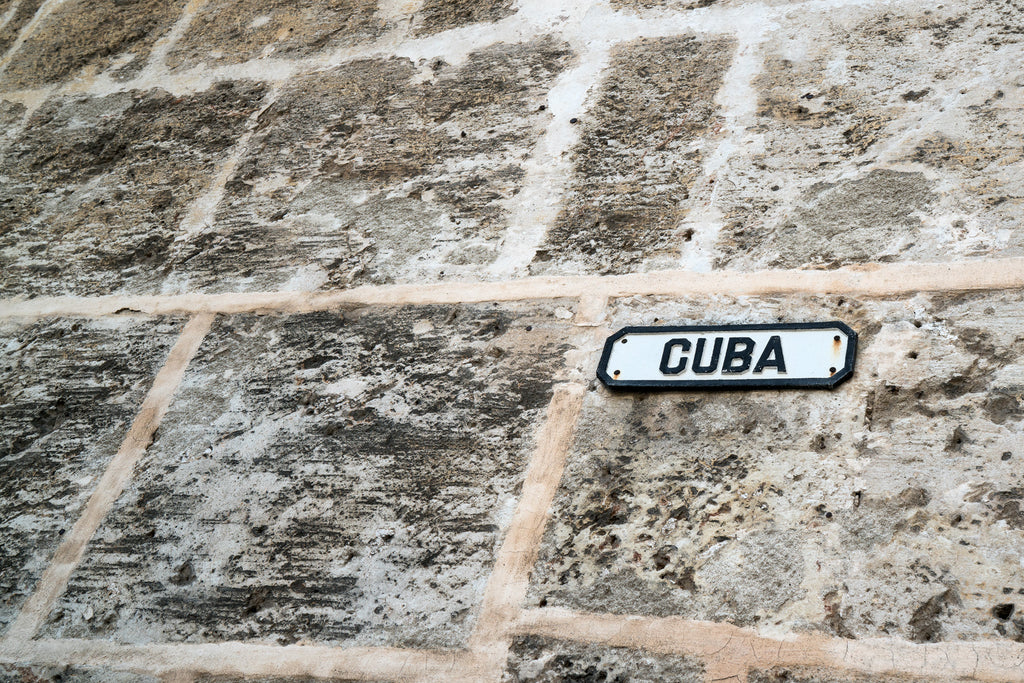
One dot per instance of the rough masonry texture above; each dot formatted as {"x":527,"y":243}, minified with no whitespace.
{"x":332,"y":477}
{"x":348,"y":267}
{"x":69,"y":391}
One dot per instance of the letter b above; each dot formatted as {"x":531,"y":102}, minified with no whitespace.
{"x":737,"y":360}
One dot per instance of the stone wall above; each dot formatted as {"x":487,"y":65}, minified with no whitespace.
{"x":301,"y":305}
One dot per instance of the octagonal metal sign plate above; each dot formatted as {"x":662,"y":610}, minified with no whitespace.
{"x":792,"y":355}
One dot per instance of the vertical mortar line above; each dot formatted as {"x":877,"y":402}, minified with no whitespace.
{"x":508,"y":583}
{"x":201,"y":213}
{"x":9,"y":14}
{"x":44,"y":10}
{"x":737,"y":99}
{"x":55,"y":578}
{"x":549,"y":169}
{"x":157,"y":63}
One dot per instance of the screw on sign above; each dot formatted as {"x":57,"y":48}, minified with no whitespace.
{"x":797,"y":355}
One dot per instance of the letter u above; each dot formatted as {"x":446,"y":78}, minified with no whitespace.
{"x":699,"y":354}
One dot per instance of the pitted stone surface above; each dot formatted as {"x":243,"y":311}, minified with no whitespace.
{"x":800,"y":674}
{"x":67,"y":674}
{"x":890,"y":506}
{"x":881,"y":136}
{"x":96,"y":187}
{"x":379,"y":171}
{"x":535,"y":659}
{"x":90,"y":36}
{"x":234,"y":31}
{"x":641,"y":149}
{"x":337,"y":478}
{"x":69,"y":391}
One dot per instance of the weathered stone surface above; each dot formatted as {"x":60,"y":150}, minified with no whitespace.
{"x":641,"y":149}
{"x":441,"y":15}
{"x":326,"y":477}
{"x":881,"y":136}
{"x":379,"y":171}
{"x":801,"y":674}
{"x":543,"y":660}
{"x":68,"y":392}
{"x":94,"y":34}
{"x":11,"y":113}
{"x":65,"y":674}
{"x":274,"y":679}
{"x":889,"y":506}
{"x":19,"y":13}
{"x":95,"y":188}
{"x":238,"y":30}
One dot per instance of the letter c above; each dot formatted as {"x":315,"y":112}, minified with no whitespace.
{"x":683,"y":344}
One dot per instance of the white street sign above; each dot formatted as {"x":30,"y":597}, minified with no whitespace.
{"x":812,"y":355}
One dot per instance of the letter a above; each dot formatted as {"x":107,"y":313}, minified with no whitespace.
{"x":684,"y":344}
{"x":772,"y":357}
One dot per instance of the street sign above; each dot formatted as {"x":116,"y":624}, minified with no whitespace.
{"x":791,"y":355}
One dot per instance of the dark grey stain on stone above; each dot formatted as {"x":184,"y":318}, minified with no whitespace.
{"x":379,"y":171}
{"x":95,"y":188}
{"x":326,"y":477}
{"x":852,"y":221}
{"x":534,"y":659}
{"x":69,"y":391}
{"x":641,"y":148}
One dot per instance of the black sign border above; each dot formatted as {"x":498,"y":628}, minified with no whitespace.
{"x":835,"y":380}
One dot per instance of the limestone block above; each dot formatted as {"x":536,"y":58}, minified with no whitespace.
{"x":331,"y":478}
{"x":890,"y":506}
{"x":240,"y":30}
{"x":545,"y":660}
{"x":440,"y":15}
{"x":640,"y":151}
{"x":22,"y":13}
{"x":69,"y":391}
{"x":96,"y":187}
{"x":800,"y":674}
{"x":880,"y":135}
{"x":379,"y":171}
{"x":90,"y":35}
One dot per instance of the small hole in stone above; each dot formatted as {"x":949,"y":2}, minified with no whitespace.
{"x":573,"y":120}
{"x":912,"y":354}
{"x":529,"y":328}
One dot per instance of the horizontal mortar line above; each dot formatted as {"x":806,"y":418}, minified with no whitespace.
{"x":708,"y":21}
{"x":119,"y":470}
{"x":243,"y":659}
{"x":865,"y":280}
{"x":732,"y":651}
